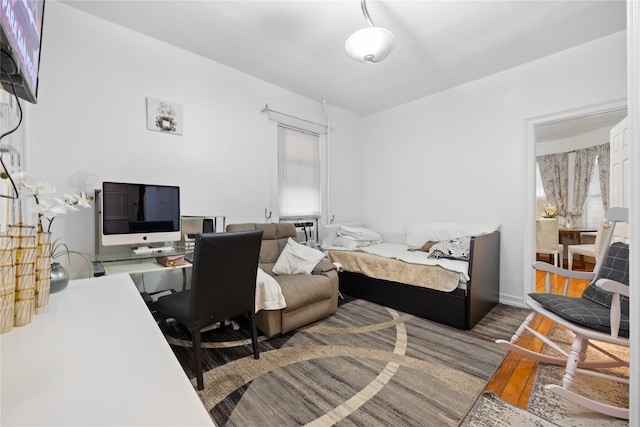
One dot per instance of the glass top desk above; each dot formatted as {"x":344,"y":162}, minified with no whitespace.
{"x":125,"y":261}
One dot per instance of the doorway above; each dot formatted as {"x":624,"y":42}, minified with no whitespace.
{"x":562,"y":122}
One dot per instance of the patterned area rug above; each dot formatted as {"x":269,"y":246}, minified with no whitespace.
{"x":365,"y":365}
{"x":546,"y":408}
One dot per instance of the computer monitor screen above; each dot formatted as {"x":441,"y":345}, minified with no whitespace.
{"x":138,"y":214}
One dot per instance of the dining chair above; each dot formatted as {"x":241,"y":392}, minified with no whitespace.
{"x":223,"y":286}
{"x":589,"y":249}
{"x":548,"y":240}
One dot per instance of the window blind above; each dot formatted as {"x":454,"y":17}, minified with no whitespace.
{"x":298,"y":172}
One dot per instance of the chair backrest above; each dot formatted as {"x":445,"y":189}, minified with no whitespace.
{"x":603,"y":228}
{"x":223,"y":282}
{"x":612,"y":263}
{"x":274,"y":239}
{"x":547,"y":237}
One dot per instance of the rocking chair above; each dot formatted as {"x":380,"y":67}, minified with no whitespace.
{"x":600,"y":314}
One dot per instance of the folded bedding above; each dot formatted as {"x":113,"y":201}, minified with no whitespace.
{"x":360,"y":234}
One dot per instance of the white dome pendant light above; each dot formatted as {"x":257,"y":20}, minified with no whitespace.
{"x":371,"y":44}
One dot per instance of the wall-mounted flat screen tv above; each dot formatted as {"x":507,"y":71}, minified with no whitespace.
{"x":20,"y":41}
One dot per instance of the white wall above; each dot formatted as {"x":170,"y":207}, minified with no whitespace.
{"x":90,"y":125}
{"x":458,"y":155}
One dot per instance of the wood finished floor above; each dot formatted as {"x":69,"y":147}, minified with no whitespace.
{"x":514,"y":378}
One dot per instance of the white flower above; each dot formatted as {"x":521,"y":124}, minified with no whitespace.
{"x":83,"y":200}
{"x":550,"y":211}
{"x":50,"y":208}
{"x":47,"y":204}
{"x":39,"y":188}
{"x":24,"y":180}
{"x":69,"y":202}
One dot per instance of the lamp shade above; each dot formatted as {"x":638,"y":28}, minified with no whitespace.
{"x":371,"y":44}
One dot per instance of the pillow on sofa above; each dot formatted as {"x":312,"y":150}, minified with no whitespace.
{"x":452,"y":249}
{"x":297,"y":259}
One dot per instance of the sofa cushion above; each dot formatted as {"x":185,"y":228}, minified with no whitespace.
{"x":274,"y":239}
{"x":300,"y":290}
{"x":297,"y":259}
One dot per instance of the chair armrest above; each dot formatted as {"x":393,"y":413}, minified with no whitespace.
{"x":613,"y":286}
{"x":550,"y":269}
{"x":617,"y":289}
{"x":323,"y":266}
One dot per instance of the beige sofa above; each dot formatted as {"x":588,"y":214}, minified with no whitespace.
{"x":309,"y":297}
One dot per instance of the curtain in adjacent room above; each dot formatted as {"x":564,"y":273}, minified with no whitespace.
{"x":603,"y":173}
{"x":554,"y":171}
{"x":585,"y":159}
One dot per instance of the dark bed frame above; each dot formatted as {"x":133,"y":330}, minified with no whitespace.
{"x":461,"y":308}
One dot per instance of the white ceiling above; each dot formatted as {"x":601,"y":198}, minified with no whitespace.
{"x":298,"y":45}
{"x":575,"y":126}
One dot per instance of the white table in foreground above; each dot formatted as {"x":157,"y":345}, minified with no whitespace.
{"x":96,"y":357}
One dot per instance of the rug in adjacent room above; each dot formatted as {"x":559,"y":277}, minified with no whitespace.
{"x":365,"y":365}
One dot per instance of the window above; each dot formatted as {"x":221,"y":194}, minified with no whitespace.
{"x":593,"y":209}
{"x":298,"y":180}
{"x":298,"y":172}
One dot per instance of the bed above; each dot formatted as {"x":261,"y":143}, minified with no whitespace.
{"x":457,"y":292}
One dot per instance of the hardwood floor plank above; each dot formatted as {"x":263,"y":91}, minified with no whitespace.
{"x":499,"y":381}
{"x":516,"y":385}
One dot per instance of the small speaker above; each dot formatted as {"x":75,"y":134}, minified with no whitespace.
{"x":196,"y":225}
{"x":207,"y":225}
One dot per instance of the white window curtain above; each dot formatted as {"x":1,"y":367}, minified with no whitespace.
{"x":594,"y":210}
{"x":298,"y":172}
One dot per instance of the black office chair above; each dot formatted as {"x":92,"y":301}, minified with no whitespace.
{"x":223,"y":285}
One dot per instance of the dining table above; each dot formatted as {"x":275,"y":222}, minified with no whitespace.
{"x":573,"y":234}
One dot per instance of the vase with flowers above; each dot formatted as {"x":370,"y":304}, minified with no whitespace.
{"x":549,"y":211}
{"x":50,"y":275}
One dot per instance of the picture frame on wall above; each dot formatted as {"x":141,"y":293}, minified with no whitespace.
{"x":164,"y":116}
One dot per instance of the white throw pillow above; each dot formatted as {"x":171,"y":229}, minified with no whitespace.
{"x":297,"y":259}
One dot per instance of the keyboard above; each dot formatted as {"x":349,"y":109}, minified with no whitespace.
{"x":145,"y":250}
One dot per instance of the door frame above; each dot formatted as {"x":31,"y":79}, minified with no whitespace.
{"x":529,"y":195}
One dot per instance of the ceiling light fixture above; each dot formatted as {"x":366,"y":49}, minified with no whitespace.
{"x":371,"y":44}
